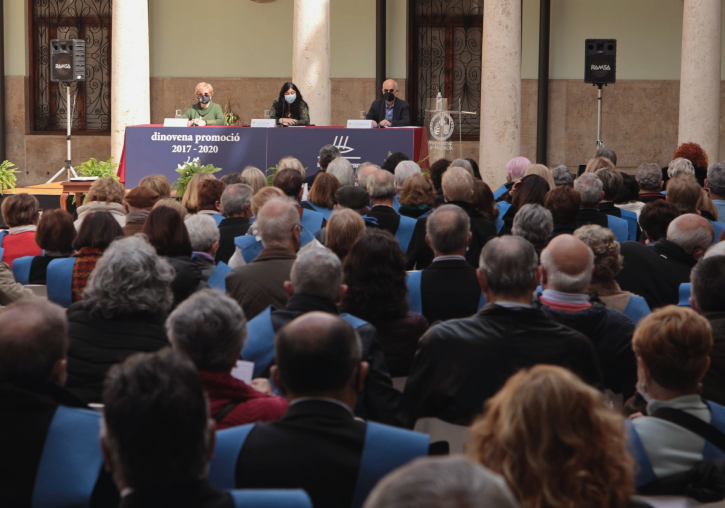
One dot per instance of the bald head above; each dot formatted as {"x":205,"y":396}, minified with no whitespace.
{"x":567,"y":265}
{"x":447,"y":230}
{"x":363,"y":172}
{"x":277,"y":221}
{"x":381,"y":186}
{"x":390,"y":84}
{"x":693,"y":233}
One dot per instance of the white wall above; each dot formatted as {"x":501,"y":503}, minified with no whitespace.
{"x":16,"y":37}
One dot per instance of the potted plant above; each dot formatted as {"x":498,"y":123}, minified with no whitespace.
{"x":8,"y":177}
{"x":188,"y":169}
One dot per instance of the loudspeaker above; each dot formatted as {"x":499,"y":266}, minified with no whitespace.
{"x":67,"y":60}
{"x":600,"y":61}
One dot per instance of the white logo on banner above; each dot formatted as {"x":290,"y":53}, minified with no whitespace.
{"x":341,"y":144}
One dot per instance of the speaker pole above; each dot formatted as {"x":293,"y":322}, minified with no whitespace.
{"x":600,"y":143}
{"x":68,"y":168}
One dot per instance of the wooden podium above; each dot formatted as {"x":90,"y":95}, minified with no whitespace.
{"x":77,"y":188}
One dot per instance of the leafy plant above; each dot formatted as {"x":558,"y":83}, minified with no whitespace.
{"x":231,"y":116}
{"x":101,"y":169}
{"x":7,"y":175}
{"x":187,"y":170}
{"x":269,"y":173}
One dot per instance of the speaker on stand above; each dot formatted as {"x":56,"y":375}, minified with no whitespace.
{"x":600,"y":69}
{"x":67,"y":65}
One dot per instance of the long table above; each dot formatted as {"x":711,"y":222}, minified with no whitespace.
{"x":154,"y":149}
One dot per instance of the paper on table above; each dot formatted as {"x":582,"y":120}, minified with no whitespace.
{"x":243,"y":371}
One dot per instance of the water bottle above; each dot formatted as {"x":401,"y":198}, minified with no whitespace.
{"x":439,"y":102}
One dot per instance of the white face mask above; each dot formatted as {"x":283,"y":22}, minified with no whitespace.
{"x":290,"y":98}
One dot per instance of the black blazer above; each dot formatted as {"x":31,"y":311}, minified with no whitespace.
{"x":449,"y":290}
{"x":401,"y":112}
{"x":229,"y":229}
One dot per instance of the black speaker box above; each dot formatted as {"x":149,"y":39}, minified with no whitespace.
{"x":600,"y":61}
{"x":67,"y":60}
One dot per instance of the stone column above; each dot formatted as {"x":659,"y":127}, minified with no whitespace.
{"x":700,"y":76}
{"x":311,"y":57}
{"x":500,"y":89}
{"x":130,"y":87}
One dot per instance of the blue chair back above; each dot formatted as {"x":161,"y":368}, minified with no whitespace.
{"x":685,"y":292}
{"x":21,"y":269}
{"x":60,"y":280}
{"x":261,"y":498}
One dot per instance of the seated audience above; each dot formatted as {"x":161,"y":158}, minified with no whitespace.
{"x":535,"y":224}
{"x":612,"y":184}
{"x":322,"y":194}
{"x":356,"y":199}
{"x":259,"y":284}
{"x":255,"y":177}
{"x":190,"y":199}
{"x":656,"y":272}
{"x":233,"y":178}
{"x":598,"y":163}
{"x":417,"y":195}
{"x":435,"y":482}
{"x":591,"y":191}
{"x":476,"y":170}
{"x":341,"y":169}
{"x":236,"y":203}
{"x":463,"y":163}
{"x":604,"y":151}
{"x":555,"y":441}
{"x":97,"y":232}
{"x":10,"y":290}
{"x":158,"y":183}
{"x":364,"y":170}
{"x":326,"y":155}
{"x":376,"y":292}
{"x":55,"y":235}
{"x":515,"y":170}
{"x":649,"y":179}
{"x":673,"y":347}
{"x":628,"y":197}
{"x":483,"y":200}
{"x":33,"y":406}
{"x":566,"y":272}
{"x":211,"y":330}
{"x":123,"y":311}
{"x":562,"y":176}
{"x":105,"y":195}
{"x":138,"y":203}
{"x":291,"y":163}
{"x":393,"y":160}
{"x":289,"y":181}
{"x":20,"y":213}
{"x":208,"y":200}
{"x":405,"y":170}
{"x":531,"y":189}
{"x":172,"y":203}
{"x":448,"y":287}
{"x":437,"y":170}
{"x":693,"y":153}
{"x":655,"y":218}
{"x":564,"y":203}
{"x":381,"y":186}
{"x":706,"y":207}
{"x":715,"y":183}
{"x":462,"y":362}
{"x":320,"y":371}
{"x":167,"y":233}
{"x":543,"y":172}
{"x":204,"y":239}
{"x":343,"y":229}
{"x":680,"y":166}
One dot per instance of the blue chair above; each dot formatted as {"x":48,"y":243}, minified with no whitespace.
{"x":631,"y":219}
{"x":59,"y":281}
{"x":685,"y":292}
{"x":262,"y":498}
{"x":718,"y":228}
{"x":21,"y":269}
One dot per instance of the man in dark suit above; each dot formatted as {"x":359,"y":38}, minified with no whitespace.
{"x":327,"y":154}
{"x":390,"y":111}
{"x":236,"y":204}
{"x":381,"y":186}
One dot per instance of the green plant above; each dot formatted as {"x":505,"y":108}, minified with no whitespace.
{"x":101,"y":169}
{"x":269,"y":173}
{"x":7,"y":175}
{"x":231,"y":116}
{"x":188,"y":169}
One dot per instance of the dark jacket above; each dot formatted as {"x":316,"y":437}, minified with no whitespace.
{"x":508,"y":221}
{"x":649,"y":197}
{"x":420,"y":255}
{"x":608,"y":208}
{"x":449,"y":290}
{"x":229,"y":229}
{"x":39,"y":268}
{"x":399,"y":338}
{"x":463,"y":362}
{"x":401,"y":112}
{"x":592,"y":216}
{"x":655,"y":272}
{"x":26,"y":411}
{"x":206,"y":266}
{"x":611,"y":333}
{"x":188,"y":279}
{"x":195,"y":494}
{"x":388,"y":219}
{"x":414,"y":212}
{"x":379,"y":400}
{"x":561,"y":229}
{"x":713,"y":386}
{"x":97,"y":343}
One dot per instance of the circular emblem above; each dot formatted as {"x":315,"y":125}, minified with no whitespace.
{"x":441,"y":126}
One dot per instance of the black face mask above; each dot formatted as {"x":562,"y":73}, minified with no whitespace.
{"x":389,"y":96}
{"x":205,"y":99}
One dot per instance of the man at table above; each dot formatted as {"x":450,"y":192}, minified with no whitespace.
{"x":390,"y":111}
{"x":205,"y":112}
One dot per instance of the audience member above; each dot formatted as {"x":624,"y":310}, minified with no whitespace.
{"x":97,"y":231}
{"x":598,"y":163}
{"x":591,"y":191}
{"x":706,"y":207}
{"x":612,"y":184}
{"x":204,"y":239}
{"x":555,"y":441}
{"x":210,"y":329}
{"x":716,"y":184}
{"x":437,"y":170}
{"x":341,"y":169}
{"x":476,"y":170}
{"x":343,"y":229}
{"x":291,"y":163}
{"x":535,"y":224}
{"x":376,"y":292}
{"x":686,"y":194}
{"x":462,"y":362}
{"x":393,"y":160}
{"x":655,"y":218}
{"x":319,"y":370}
{"x":55,"y":235}
{"x":327,"y":154}
{"x":322,"y":194}
{"x":190,"y":199}
{"x":138,"y":203}
{"x":234,"y":178}
{"x":353,"y":198}
{"x":543,"y":172}
{"x":158,"y":183}
{"x":104,"y":195}
{"x":437,"y":482}
{"x":515,"y":170}
{"x":680,"y":166}
{"x":656,"y":272}
{"x":531,"y":189}
{"x":405,"y":170}
{"x":236,"y":204}
{"x":364,"y":170}
{"x":564,"y":203}
{"x":255,"y":177}
{"x":463,"y":163}
{"x":174,"y":204}
{"x":562,"y":176}
{"x":208,"y":200}
{"x":483,"y":200}
{"x":289,"y":181}
{"x":566,"y":272}
{"x":697,"y":156}
{"x":20,"y":213}
{"x":381,"y":186}
{"x":649,"y":179}
{"x":603,"y":151}
{"x":628,"y":197}
{"x":417,"y":195}
{"x":259,"y":284}
{"x":123,"y":311}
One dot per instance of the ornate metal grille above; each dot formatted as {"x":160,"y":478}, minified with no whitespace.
{"x":445,"y":54}
{"x":71,"y":19}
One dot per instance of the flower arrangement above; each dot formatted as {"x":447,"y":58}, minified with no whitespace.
{"x":188,"y":169}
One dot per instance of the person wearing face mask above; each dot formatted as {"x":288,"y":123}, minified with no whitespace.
{"x":290,"y":108}
{"x":205,"y":112}
{"x":390,"y":111}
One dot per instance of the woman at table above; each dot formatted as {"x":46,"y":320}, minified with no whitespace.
{"x":205,"y":112}
{"x":290,"y":108}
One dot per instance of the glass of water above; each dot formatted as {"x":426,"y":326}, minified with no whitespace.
{"x":178,"y":113}
{"x":363,"y":114}
{"x":267,"y":114}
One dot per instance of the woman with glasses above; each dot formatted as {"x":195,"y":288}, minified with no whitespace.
{"x":290,"y":108}
{"x":205,"y":112}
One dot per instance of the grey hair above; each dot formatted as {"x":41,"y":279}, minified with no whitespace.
{"x":275,"y":227}
{"x":361,"y":177}
{"x":457,"y":184}
{"x":589,"y":187}
{"x":441,"y":482}
{"x":235,"y":199}
{"x":649,"y":177}
{"x":447,"y":228}
{"x":564,"y":282}
{"x":716,"y":250}
{"x":603,"y":151}
{"x":130,"y":277}
{"x":533,"y":223}
{"x":317,"y":272}
{"x":716,"y":178}
{"x":381,"y":184}
{"x":209,"y":328}
{"x":462,"y":163}
{"x":509,"y":264}
{"x":562,"y":176}
{"x":680,"y":166}
{"x":203,"y":231}
{"x":341,"y":169}
{"x":690,"y":238}
{"x":403,"y":170}
{"x":327,"y":154}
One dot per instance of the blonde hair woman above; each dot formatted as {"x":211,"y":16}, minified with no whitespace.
{"x":417,"y":196}
{"x":264,"y":195}
{"x":255,"y":177}
{"x":105,"y":195}
{"x":598,"y":163}
{"x":555,"y":441}
{"x":172,"y":203}
{"x":543,"y":172}
{"x":190,"y":200}
{"x":343,"y":228}
{"x":204,"y":111}
{"x":291,"y":162}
